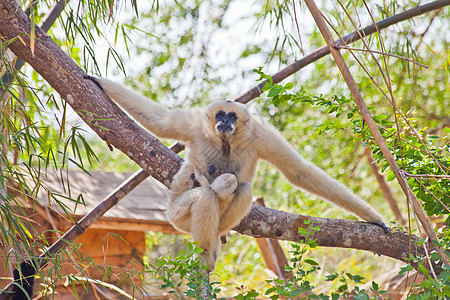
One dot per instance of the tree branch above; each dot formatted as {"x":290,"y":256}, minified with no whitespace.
{"x":263,"y":222}
{"x":87,"y":100}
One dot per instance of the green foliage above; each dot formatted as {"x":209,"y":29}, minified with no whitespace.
{"x":423,"y":156}
{"x":187,"y":270}
{"x":182,"y":275}
{"x":302,"y":267}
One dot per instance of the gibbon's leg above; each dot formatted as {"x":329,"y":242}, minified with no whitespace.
{"x":198,"y":211}
{"x":179,"y":210}
{"x":205,"y":217}
{"x":237,"y":209}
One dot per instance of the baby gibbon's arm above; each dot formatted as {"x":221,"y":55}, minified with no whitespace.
{"x":273,"y":148}
{"x":164,"y":123}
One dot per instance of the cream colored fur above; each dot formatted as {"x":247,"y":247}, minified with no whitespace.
{"x":212,"y":192}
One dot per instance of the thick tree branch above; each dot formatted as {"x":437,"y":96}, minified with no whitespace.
{"x":263,"y":222}
{"x":86,"y":98}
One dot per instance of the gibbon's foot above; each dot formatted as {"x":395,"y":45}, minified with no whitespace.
{"x":382,"y":225}
{"x":93,"y":79}
{"x":225,"y":185}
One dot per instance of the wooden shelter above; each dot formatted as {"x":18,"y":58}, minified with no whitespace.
{"x":118,"y":238}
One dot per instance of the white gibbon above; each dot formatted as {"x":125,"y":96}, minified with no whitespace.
{"x":212,"y":191}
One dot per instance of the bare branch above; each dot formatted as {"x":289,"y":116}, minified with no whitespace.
{"x":348,"y":39}
{"x":382,"y":53}
{"x":418,"y":209}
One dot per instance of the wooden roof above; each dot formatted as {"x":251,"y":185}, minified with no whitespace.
{"x":142,"y":209}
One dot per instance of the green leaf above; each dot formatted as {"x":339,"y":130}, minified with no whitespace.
{"x":275,"y":91}
{"x":266,"y":87}
{"x":332,"y":277}
{"x":423,"y":269}
{"x":302,"y":231}
{"x":405,"y":269}
{"x":390,"y":176}
{"x":311,"y":262}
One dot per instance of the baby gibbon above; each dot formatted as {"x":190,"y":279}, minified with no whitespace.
{"x":212,"y":192}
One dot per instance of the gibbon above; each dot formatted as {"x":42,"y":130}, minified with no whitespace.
{"x":212,"y":191}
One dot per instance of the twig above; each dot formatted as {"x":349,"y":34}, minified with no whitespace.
{"x":296,"y":23}
{"x":426,"y":176}
{"x":382,"y":53}
{"x":384,"y":188}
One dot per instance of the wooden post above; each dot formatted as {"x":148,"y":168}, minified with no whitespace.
{"x":273,"y":253}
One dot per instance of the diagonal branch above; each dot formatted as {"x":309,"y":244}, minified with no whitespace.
{"x":418,"y":209}
{"x":348,"y":39}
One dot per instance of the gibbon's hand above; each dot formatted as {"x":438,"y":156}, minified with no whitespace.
{"x":383,"y":226}
{"x":200,"y":178}
{"x":92,"y":78}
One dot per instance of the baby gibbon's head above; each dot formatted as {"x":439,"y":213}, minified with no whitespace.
{"x":227,"y":118}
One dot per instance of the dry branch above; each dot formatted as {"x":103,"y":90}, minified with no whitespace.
{"x":418,"y":209}
{"x":348,"y":39}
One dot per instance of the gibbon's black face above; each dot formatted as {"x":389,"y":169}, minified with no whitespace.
{"x":225,"y":122}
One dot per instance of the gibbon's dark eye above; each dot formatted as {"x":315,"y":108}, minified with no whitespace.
{"x":232,"y":117}
{"x":220,"y":115}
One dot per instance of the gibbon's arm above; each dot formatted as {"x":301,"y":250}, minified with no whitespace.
{"x":171,"y":124}
{"x":272,"y":147}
